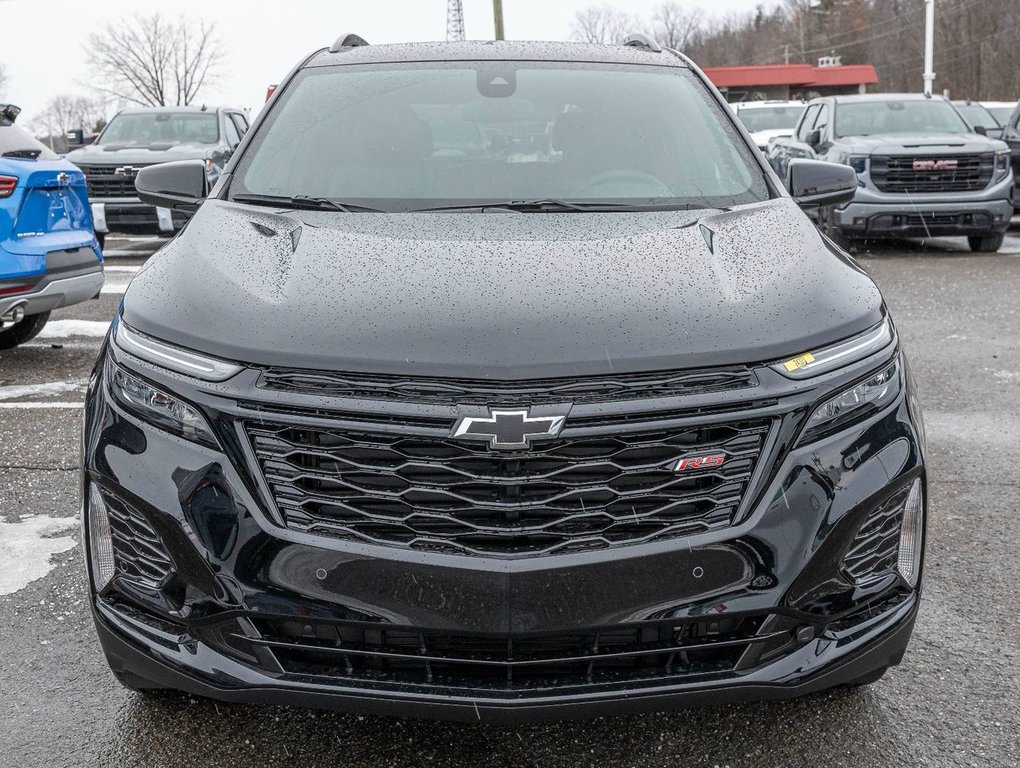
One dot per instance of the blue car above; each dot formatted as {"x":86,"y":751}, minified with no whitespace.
{"x":49,"y":256}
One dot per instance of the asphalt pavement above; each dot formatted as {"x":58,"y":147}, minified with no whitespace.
{"x":955,"y":700}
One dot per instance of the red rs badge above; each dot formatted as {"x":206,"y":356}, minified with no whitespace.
{"x":700,"y":462}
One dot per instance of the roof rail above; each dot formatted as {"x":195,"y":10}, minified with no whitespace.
{"x":350,"y":40}
{"x":641,"y":40}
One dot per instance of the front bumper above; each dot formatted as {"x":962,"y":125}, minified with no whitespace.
{"x":250,"y":610}
{"x":943,"y":215}
{"x":131,"y":214}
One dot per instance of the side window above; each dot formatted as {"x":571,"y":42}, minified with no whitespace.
{"x":822,"y":121}
{"x":239,"y":123}
{"x":233,"y":137}
{"x":808,"y":121}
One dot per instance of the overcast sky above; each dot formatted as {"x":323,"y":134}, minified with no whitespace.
{"x":41,"y":40}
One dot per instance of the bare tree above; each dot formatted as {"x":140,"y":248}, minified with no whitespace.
{"x":676,"y":26}
{"x":67,"y":112}
{"x":602,"y":24}
{"x":151,"y":61}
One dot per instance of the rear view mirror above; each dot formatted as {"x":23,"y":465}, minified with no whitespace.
{"x":817,"y":183}
{"x":814,"y":138}
{"x":181,"y":184}
{"x":981,"y":130}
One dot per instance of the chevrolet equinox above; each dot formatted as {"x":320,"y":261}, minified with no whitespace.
{"x":501,"y":382}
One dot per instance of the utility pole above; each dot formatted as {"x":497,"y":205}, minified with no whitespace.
{"x":929,"y":46}
{"x":497,"y":15}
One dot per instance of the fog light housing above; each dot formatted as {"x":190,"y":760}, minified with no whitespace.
{"x":100,"y":539}
{"x":908,"y":561}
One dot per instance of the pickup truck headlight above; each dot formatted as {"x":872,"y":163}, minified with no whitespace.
{"x":858,"y":162}
{"x":867,"y":396}
{"x":161,"y":409}
{"x":1002,"y":163}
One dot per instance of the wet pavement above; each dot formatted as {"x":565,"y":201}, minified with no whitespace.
{"x":955,"y":701}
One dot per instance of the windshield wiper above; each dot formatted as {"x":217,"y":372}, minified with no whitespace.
{"x":302,"y":201}
{"x":22,"y":154}
{"x":553,"y":205}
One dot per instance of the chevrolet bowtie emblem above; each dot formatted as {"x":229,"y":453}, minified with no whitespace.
{"x":508,"y":429}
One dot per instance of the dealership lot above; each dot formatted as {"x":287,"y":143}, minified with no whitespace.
{"x":954,"y":701}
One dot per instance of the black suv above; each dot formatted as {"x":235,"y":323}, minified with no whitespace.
{"x":501,"y":381}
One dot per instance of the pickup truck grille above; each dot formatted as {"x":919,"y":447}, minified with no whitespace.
{"x":921,"y":174}
{"x":104,"y":181}
{"x":573,"y":494}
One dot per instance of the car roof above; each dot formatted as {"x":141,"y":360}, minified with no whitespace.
{"x":994,"y":103}
{"x":499,"y":50}
{"x":157,"y":110}
{"x":873,"y":97}
{"x":742,"y":105}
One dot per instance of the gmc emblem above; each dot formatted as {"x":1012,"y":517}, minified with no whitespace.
{"x":700,"y":462}
{"x":936,"y":165}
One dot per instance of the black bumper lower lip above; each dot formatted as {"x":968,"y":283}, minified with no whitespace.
{"x":823,"y":664}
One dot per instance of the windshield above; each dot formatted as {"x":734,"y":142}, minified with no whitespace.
{"x":976,"y":115}
{"x":1002,"y":114}
{"x":770,"y":118}
{"x":865,"y":118}
{"x":411,"y":136}
{"x":145,"y":128}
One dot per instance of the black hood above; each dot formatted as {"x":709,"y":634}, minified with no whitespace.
{"x":501,"y":295}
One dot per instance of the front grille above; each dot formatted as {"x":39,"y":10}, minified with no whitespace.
{"x":103,"y":181}
{"x":441,"y":494}
{"x":343,"y":652}
{"x":476,"y":391}
{"x":891,"y":173}
{"x":872,"y":553}
{"x":138,"y":552}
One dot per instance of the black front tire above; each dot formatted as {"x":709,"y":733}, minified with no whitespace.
{"x":986,"y":243}
{"x":24,"y":331}
{"x":840,"y":237}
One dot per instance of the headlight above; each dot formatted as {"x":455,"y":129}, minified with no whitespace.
{"x":171,"y":357}
{"x":830,"y":358}
{"x":157,"y":407}
{"x":858,"y":162}
{"x":862,"y":398}
{"x":1002,"y":163}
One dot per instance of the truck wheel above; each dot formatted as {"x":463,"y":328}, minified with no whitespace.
{"x":828,"y":225}
{"x":986,"y":243}
{"x":24,"y":331}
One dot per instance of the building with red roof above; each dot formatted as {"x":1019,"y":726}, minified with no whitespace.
{"x":791,"y":81}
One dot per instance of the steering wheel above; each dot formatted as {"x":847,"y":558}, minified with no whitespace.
{"x":611,"y":183}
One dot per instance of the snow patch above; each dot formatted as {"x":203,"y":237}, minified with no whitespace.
{"x":27,"y":546}
{"x":61,"y":329}
{"x":39,"y":390}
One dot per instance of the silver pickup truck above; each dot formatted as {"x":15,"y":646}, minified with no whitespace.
{"x":921,"y":171}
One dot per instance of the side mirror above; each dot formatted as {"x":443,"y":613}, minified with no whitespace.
{"x":181,"y":184}
{"x":981,"y":130}
{"x":816,"y":183}
{"x":814,"y":138}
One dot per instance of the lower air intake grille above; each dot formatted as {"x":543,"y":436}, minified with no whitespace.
{"x":872,"y":554}
{"x":441,"y":494}
{"x":138,"y":553}
{"x":369,"y":652}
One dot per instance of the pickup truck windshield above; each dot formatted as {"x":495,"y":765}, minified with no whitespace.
{"x":404,"y":137}
{"x":770,"y":118}
{"x":867,"y":118}
{"x":147,"y":128}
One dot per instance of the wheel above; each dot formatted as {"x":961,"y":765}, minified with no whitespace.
{"x":840,"y":237}
{"x":101,"y":237}
{"x":986,"y":243}
{"x":24,"y":331}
